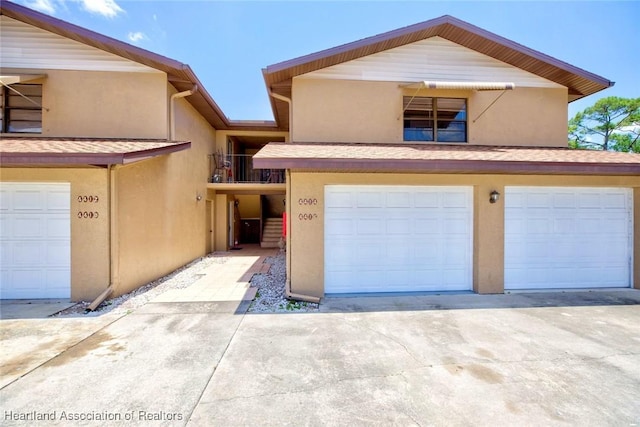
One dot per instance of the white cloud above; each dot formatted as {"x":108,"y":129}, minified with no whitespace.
{"x":107,"y":8}
{"x":45,"y":6}
{"x":137,"y":36}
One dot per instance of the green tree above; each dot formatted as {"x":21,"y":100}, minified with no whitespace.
{"x":612,"y":123}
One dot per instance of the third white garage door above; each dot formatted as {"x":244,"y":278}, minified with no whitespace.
{"x":567,"y":237}
{"x":398,"y":238}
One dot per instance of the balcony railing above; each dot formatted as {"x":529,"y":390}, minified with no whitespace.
{"x":239,"y":168}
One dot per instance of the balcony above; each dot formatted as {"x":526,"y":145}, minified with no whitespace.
{"x":238,"y":168}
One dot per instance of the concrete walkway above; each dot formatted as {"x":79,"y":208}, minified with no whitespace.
{"x":154,"y":362}
{"x":225,"y":282}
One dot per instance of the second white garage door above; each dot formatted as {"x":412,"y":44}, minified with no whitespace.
{"x":398,"y":238}
{"x":567,"y":237}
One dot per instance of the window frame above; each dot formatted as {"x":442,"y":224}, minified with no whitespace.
{"x":432,"y":116}
{"x":6,"y":94}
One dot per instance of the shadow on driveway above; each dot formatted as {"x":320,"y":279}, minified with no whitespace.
{"x":466,"y":301}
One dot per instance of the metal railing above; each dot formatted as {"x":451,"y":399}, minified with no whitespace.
{"x":239,"y":168}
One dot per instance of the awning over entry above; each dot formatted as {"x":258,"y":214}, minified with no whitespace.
{"x":11,"y":79}
{"x":89,"y":151}
{"x":461,"y":85}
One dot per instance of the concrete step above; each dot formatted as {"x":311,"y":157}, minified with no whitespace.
{"x":271,"y":233}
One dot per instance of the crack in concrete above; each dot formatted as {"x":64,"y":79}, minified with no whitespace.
{"x":310,"y":389}
{"x":406,"y":349}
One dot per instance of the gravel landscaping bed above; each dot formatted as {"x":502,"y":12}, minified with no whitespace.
{"x":269,"y":297}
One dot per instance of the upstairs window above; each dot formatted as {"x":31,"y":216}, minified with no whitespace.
{"x":21,"y":108}
{"x":435,"y":119}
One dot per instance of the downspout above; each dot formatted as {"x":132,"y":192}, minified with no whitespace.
{"x":287,"y":288}
{"x":112,"y":241}
{"x":288,"y":101}
{"x":172,"y":119}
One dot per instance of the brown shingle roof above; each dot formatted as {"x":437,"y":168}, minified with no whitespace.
{"x":444,"y":158}
{"x":278,"y":77}
{"x":19,"y":151}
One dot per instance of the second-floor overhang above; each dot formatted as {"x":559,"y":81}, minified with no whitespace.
{"x":444,"y":158}
{"x":16,"y":151}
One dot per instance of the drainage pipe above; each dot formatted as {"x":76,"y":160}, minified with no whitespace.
{"x":288,"y":101}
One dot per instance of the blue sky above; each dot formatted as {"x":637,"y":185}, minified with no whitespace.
{"x":227,"y":43}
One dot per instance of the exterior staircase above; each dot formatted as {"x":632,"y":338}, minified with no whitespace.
{"x":271,"y":233}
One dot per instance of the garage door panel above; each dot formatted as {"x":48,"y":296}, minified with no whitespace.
{"x":57,"y":200}
{"x":31,"y":226}
{"x":399,"y":226}
{"x":339,"y":199}
{"x":57,"y":227}
{"x":370,"y":199}
{"x":369,"y":226}
{"x":427,"y":226}
{"x":27,"y":252}
{"x":581,"y":239}
{"x":405,"y":237}
{"x":339,"y":227}
{"x":424,"y":199}
{"x":589,"y":201}
{"x":455,"y":199}
{"x":27,"y":199}
{"x":399,"y":199}
{"x":564,"y":200}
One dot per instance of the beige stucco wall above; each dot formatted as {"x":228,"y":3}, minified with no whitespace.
{"x":249,"y":206}
{"x":104,"y":104}
{"x":89,"y":237}
{"x":366,"y":111}
{"x":222,"y":135}
{"x":161,"y":224}
{"x":306,"y":237}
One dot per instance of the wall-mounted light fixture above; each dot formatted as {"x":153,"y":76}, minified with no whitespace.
{"x":494,"y":196}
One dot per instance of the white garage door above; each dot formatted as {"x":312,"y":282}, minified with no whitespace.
{"x":397,"y":238}
{"x":567,"y":237}
{"x":35,"y":240}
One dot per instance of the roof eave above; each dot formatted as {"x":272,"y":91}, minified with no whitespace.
{"x":286,"y":70}
{"x":448,"y":166}
{"x":94,"y":159}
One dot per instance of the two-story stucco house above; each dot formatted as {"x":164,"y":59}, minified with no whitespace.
{"x":430,"y":158}
{"x":106,"y":155}
{"x":434,"y":158}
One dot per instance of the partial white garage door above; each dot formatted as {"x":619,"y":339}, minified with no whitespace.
{"x":398,"y":238}
{"x":35,"y":240}
{"x":567,"y":237}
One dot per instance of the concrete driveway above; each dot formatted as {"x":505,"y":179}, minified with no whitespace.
{"x":543,"y":359}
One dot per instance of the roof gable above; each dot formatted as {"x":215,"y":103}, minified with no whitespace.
{"x":435,"y":59}
{"x":579,"y":82}
{"x":179,"y":74}
{"x":26,"y":46}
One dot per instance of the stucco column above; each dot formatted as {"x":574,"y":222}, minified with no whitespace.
{"x":221,"y":229}
{"x":488,"y":240}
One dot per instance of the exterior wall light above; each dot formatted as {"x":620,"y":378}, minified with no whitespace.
{"x":494,"y":196}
